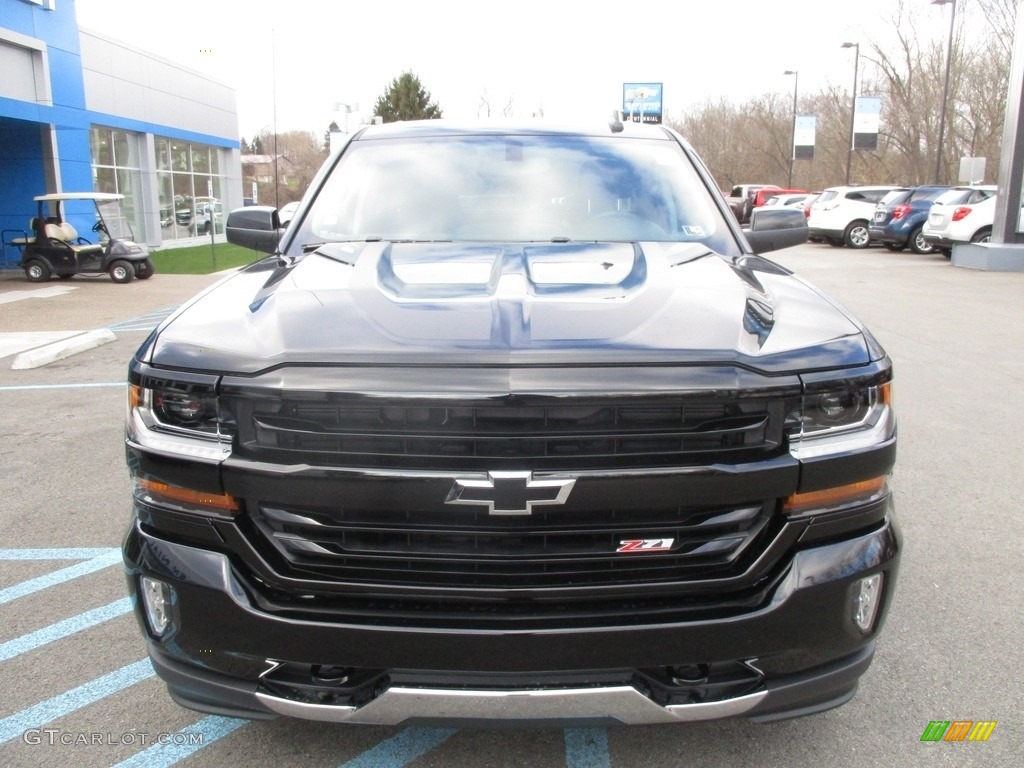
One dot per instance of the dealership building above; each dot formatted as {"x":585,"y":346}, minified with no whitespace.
{"x":81,"y":112}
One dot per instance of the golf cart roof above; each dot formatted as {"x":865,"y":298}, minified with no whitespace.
{"x":99,"y":197}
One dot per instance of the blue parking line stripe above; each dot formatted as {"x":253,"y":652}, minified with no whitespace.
{"x":66,"y":703}
{"x":587,"y":748}
{"x":80,"y":553}
{"x":401,"y":749}
{"x":183,"y":743}
{"x":30,"y":387}
{"x":59,"y":577}
{"x":63,"y":629}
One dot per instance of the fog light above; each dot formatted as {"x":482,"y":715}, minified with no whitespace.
{"x":157,"y":597}
{"x":865,"y":605}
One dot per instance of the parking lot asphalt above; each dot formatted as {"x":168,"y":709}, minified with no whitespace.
{"x":78,"y":689}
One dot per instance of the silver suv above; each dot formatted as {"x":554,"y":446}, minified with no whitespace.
{"x":841,"y":215}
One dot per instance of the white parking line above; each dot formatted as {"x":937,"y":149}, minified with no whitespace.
{"x":49,"y":292}
{"x":65,"y":703}
{"x":65,"y":628}
{"x":59,"y":577}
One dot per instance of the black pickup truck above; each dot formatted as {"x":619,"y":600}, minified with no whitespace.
{"x":513,"y":423}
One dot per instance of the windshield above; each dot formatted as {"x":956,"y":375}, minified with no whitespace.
{"x":114,"y":220}
{"x":515,"y":188}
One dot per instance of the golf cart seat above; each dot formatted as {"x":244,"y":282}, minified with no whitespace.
{"x":67,"y":234}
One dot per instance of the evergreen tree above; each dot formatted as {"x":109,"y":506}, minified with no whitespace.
{"x":406,"y":99}
{"x":333,"y":127}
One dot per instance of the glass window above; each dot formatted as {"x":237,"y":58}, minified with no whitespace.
{"x":102,"y":146}
{"x":180,"y":157}
{"x":104,"y":179}
{"x":528,"y":188}
{"x":123,"y":154}
{"x":115,"y":169}
{"x":190,"y":189}
{"x":163,"y":154}
{"x":200,"y":159}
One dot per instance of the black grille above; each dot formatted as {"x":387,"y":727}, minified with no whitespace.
{"x":547,"y":550}
{"x":492,"y":435}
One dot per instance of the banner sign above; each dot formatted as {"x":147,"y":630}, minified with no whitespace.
{"x":803,"y":137}
{"x":641,"y":102}
{"x":867,"y":116}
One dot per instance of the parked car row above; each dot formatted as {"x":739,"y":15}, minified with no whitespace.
{"x":841,"y":215}
{"x":925,"y":218}
{"x":961,"y":215}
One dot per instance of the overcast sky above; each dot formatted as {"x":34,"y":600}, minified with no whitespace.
{"x":568,"y":58}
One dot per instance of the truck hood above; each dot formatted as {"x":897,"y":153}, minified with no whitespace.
{"x":453,"y":304}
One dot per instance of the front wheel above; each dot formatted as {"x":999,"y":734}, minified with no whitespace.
{"x":121,"y":271}
{"x":918,"y":244}
{"x":37,"y":271}
{"x":144,"y":269}
{"x":857,"y":235}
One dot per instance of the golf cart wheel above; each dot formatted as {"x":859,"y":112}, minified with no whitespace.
{"x":144,"y":269}
{"x":121,"y":271}
{"x":37,"y":271}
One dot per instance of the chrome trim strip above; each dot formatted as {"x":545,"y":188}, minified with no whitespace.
{"x":622,"y":703}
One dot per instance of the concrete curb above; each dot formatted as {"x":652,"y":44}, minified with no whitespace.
{"x":35,"y":358}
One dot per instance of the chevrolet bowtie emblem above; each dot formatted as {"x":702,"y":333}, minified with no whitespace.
{"x":509,"y":493}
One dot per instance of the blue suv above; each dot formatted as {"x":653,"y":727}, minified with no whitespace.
{"x":900,"y":216}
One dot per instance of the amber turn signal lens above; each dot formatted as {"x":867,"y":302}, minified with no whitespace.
{"x":176,"y":494}
{"x":834,"y":497}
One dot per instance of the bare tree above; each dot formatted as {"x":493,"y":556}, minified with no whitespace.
{"x":751,"y":142}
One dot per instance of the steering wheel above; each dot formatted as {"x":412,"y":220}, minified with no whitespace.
{"x":98,"y":227}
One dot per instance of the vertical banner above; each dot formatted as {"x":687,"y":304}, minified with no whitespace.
{"x":866,"y":119}
{"x":641,"y":102}
{"x":803,"y":137}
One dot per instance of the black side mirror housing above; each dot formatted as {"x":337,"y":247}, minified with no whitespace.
{"x":772,"y":230}
{"x":255,"y":226}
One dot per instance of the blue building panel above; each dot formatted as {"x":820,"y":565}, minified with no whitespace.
{"x":21,"y":157}
{"x":45,"y":142}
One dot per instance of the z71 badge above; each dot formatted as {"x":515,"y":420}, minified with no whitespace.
{"x":645,"y":545}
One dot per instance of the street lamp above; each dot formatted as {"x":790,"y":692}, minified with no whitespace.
{"x":853,"y":107}
{"x":792,"y":144}
{"x":945,"y":88}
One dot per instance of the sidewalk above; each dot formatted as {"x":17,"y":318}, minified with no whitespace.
{"x":88,"y":303}
{"x":44,"y":322}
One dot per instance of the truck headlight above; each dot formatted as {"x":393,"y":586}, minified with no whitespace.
{"x":179,"y":417}
{"x":842,"y":417}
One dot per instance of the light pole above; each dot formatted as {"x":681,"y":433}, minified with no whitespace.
{"x":273,"y":90}
{"x":853,"y":107}
{"x":945,"y":89}
{"x":792,"y":143}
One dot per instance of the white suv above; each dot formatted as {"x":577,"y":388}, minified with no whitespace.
{"x":840,"y":215}
{"x":961,"y":215}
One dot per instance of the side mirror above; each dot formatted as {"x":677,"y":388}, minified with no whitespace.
{"x":772,"y":230}
{"x":256,"y":227}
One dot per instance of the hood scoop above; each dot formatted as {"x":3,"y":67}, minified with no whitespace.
{"x":450,"y":271}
